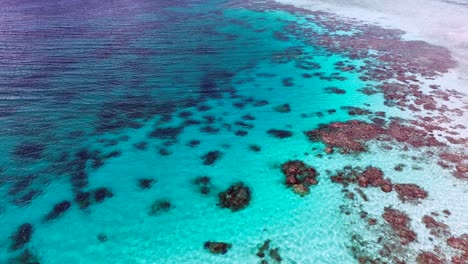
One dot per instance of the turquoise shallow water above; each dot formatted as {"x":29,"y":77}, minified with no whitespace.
{"x":101,"y":78}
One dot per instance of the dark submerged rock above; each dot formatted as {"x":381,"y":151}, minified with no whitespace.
{"x":261,"y":250}
{"x":236,"y":197}
{"x":145,"y":183}
{"x":278,"y":133}
{"x":255,"y":148}
{"x":102,"y":193}
{"x":284,"y":108}
{"x":159,"y":206}
{"x":288,"y":82}
{"x":193,"y":143}
{"x":27,"y":257}
{"x":241,"y":133}
{"x":22,"y":236}
{"x":335,"y":90}
{"x":102,"y":237}
{"x":58,"y":210}
{"x":274,"y":254}
{"x":211,"y":157}
{"x":203,"y":182}
{"x":217,"y":247}
{"x":141,"y":145}
{"x":83,"y":199}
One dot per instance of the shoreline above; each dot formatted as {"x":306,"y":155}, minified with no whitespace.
{"x":449,"y":30}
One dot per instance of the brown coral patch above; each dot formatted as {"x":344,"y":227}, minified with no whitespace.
{"x":367,"y":177}
{"x":400,"y":223}
{"x":351,"y":136}
{"x":408,"y":192}
{"x":299,"y":176}
{"x":438,"y":229}
{"x":428,"y":258}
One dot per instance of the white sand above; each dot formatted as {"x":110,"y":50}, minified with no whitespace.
{"x":439,"y":22}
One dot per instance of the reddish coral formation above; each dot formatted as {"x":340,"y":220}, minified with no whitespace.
{"x":348,"y":135}
{"x":351,"y":135}
{"x":399,"y":221}
{"x":438,"y":229}
{"x":428,"y":258}
{"x":460,"y":243}
{"x":411,"y":135}
{"x":368,"y":177}
{"x":408,"y":192}
{"x":299,"y":176}
{"x":456,"y":161}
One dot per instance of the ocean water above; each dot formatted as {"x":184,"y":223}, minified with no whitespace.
{"x":104,"y":93}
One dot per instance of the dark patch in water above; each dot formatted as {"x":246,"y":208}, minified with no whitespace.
{"x":29,"y":150}
{"x":20,"y":184}
{"x":166,"y":132}
{"x":278,"y":133}
{"x":22,"y":236}
{"x":239,"y":105}
{"x":58,"y":210}
{"x":288,"y":82}
{"x":284,"y":108}
{"x":260,"y":103}
{"x":191,"y":122}
{"x":203,"y":108}
{"x":141,"y":145}
{"x":83,"y":199}
{"x":236,"y":197}
{"x":243,"y":124}
{"x":248,"y":117}
{"x":102,"y":237}
{"x":146,"y":183}
{"x":209,"y":119}
{"x":113,"y":154}
{"x":26,"y":198}
{"x":194,"y":143}
{"x":255,"y":148}
{"x":211,"y":157}
{"x":164,"y":152}
{"x":185,"y":114}
{"x":204,"y":184}
{"x":241,"y":133}
{"x":27,"y":257}
{"x":334,"y":90}
{"x":102,"y":193}
{"x":209,"y":129}
{"x":159,"y":206}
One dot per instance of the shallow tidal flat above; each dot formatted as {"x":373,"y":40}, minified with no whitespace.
{"x":226,"y":132}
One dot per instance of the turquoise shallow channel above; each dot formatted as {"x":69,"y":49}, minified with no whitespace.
{"x":121,"y":122}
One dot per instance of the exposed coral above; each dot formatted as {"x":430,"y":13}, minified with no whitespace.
{"x":217,"y":247}
{"x":236,"y":197}
{"x":409,"y":192}
{"x":299,"y":176}
{"x":400,"y":223}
